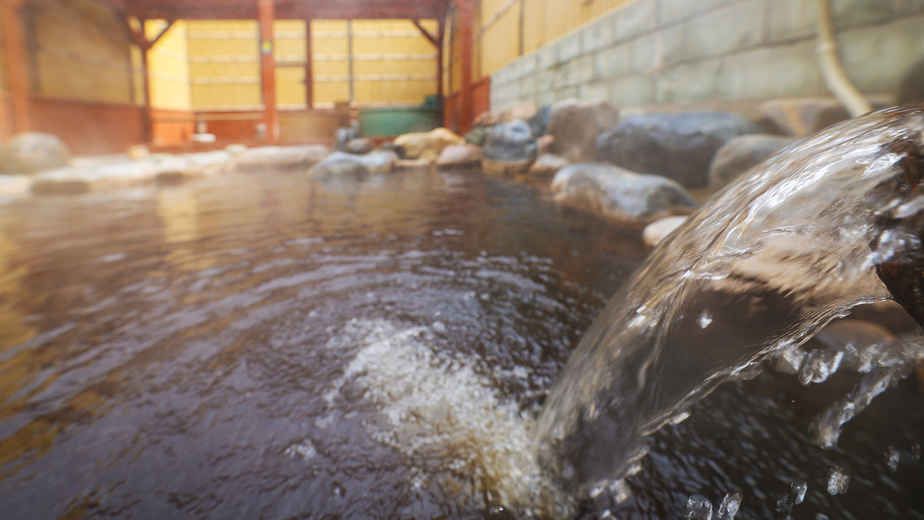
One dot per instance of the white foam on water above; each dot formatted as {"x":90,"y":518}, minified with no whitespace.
{"x":444,"y":415}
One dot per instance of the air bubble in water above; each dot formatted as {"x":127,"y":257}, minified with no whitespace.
{"x":838,"y":479}
{"x":729,"y":507}
{"x":698,"y":508}
{"x":793,"y":497}
{"x":892,"y":459}
{"x":916,"y":452}
{"x":797,"y":492}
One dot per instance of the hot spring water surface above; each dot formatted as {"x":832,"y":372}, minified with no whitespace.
{"x":267,"y":346}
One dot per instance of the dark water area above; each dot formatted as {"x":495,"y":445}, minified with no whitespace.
{"x":266,"y":346}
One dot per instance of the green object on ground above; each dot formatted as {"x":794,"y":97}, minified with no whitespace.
{"x":392,"y":121}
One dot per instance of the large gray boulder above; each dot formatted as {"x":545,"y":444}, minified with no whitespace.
{"x":741,"y":154}
{"x":32,"y":152}
{"x":619,"y":195}
{"x":281,"y":157}
{"x":341,"y":164}
{"x":510,"y":147}
{"x":679,"y":146}
{"x":575,"y":126}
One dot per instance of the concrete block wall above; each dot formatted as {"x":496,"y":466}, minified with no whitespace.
{"x":683,"y":51}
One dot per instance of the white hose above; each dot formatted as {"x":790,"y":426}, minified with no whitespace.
{"x":832,"y":70}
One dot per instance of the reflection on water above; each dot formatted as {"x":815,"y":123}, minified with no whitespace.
{"x":198,"y":351}
{"x":266,"y":346}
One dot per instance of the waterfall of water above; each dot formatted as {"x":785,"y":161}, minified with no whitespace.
{"x":829,"y":223}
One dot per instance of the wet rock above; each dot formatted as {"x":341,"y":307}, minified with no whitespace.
{"x":658,"y":230}
{"x":342,"y":136}
{"x":539,"y":123}
{"x":138,"y":151}
{"x":547,"y":165}
{"x":32,"y":152}
{"x":576,"y":125}
{"x":168,"y":169}
{"x":888,"y":314}
{"x":281,"y":157}
{"x":15,"y":185}
{"x":802,"y":116}
{"x":741,"y":154}
{"x":427,"y":145}
{"x":342,"y":164}
{"x":459,"y":155}
{"x":390,"y":146}
{"x":524,"y":110}
{"x":619,"y":195}
{"x":359,"y":145}
{"x":678,"y":146}
{"x":545,"y":142}
{"x":477,"y":135}
{"x":413,"y":164}
{"x":510,"y":148}
{"x":236,"y":149}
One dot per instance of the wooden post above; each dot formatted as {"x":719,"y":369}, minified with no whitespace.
{"x":147,"y":132}
{"x":350,"y":61}
{"x":437,"y":42}
{"x":265,"y":16}
{"x":309,"y":73}
{"x":439,"y":57}
{"x":17,"y":71}
{"x":466,"y":20}
{"x":141,"y":40}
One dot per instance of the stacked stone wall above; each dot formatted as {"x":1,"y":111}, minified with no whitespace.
{"x":683,"y":51}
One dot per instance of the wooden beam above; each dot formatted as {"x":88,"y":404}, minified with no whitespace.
{"x":265,"y":17}
{"x":14,"y":40}
{"x":466,"y":22}
{"x":139,"y":36}
{"x":309,"y":70}
{"x":441,"y":30}
{"x":426,"y":34}
{"x":161,"y":33}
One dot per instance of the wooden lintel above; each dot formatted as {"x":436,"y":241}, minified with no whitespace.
{"x":426,"y":34}
{"x":163,"y":32}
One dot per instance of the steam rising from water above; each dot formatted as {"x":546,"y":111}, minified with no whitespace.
{"x":444,"y":416}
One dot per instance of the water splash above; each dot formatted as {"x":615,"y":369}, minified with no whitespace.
{"x":440,"y":411}
{"x":825,"y":225}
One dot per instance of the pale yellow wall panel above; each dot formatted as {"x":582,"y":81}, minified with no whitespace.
{"x":224,"y":47}
{"x":501,"y":41}
{"x":331,"y":92}
{"x":290,"y":89}
{"x":224,"y":70}
{"x":81,"y":52}
{"x":221,"y":97}
{"x":290,"y":47}
{"x":97,"y":83}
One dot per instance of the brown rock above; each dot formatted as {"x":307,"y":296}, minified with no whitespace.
{"x":524,"y":111}
{"x":503,"y":167}
{"x":548,"y":164}
{"x":658,"y":230}
{"x":427,"y":145}
{"x":802,"y":116}
{"x":459,"y":155}
{"x":412,"y":164}
{"x":742,"y":153}
{"x":575,"y":126}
